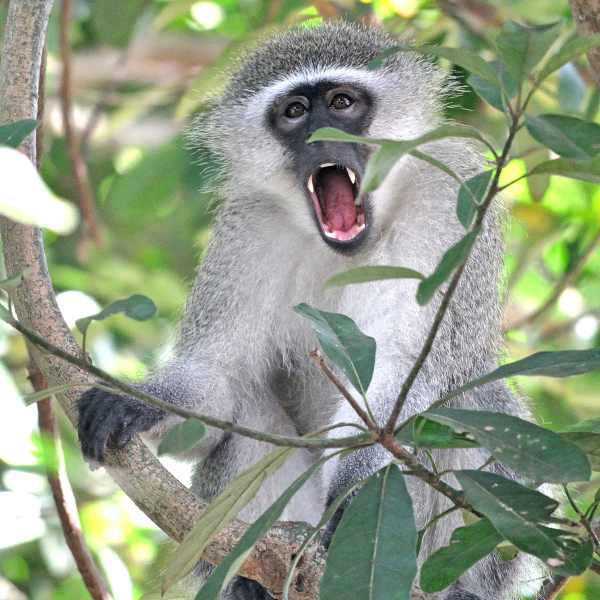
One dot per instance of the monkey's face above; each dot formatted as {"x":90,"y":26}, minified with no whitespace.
{"x":329,"y":173}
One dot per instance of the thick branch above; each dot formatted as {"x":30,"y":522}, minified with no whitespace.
{"x":587,"y":16}
{"x":153,"y":489}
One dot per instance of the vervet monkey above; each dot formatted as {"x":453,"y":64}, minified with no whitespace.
{"x":288,"y":221}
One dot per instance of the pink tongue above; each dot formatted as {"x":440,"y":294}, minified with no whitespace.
{"x":337,"y":199}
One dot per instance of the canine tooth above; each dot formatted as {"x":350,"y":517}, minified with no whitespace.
{"x":351,"y":175}
{"x":325,"y":165}
{"x":310,"y":185}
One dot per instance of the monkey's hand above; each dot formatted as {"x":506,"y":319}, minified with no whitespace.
{"x":108,"y":420}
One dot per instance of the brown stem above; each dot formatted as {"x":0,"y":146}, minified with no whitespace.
{"x":568,"y":279}
{"x":80,"y":172}
{"x":62,"y":493}
{"x":318,"y":359}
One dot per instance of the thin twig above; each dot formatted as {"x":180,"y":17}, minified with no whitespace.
{"x":443,"y":308}
{"x":320,"y":362}
{"x":271,"y":438}
{"x":568,"y":279}
{"x":80,"y":172}
{"x":63,"y":493}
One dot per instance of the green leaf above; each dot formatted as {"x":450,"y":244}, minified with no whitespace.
{"x":567,"y":136}
{"x":586,"y":435}
{"x":468,"y":545}
{"x":13,"y":134}
{"x":420,"y":432}
{"x":522,"y":47}
{"x":137,"y":307}
{"x":537,"y":453}
{"x":325,"y":518}
{"x":564,"y":363}
{"x":344,"y":344}
{"x":115,"y":22}
{"x":371,"y":273}
{"x":470,"y":195}
{"x":223,"y":574}
{"x":390,"y":151}
{"x":452,"y":259}
{"x":516,"y":511}
{"x":221,"y":511}
{"x":496,"y":93}
{"x":373,"y":552}
{"x":586,"y":170}
{"x":182,"y":437}
{"x":571,"y":49}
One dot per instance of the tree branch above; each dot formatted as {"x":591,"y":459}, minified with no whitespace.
{"x":587,"y":17}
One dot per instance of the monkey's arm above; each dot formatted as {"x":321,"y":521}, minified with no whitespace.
{"x":109,"y":420}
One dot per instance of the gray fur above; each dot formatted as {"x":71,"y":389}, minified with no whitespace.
{"x":242,"y":353}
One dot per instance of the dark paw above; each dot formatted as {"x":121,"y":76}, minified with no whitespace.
{"x":246,"y":589}
{"x":107,"y":420}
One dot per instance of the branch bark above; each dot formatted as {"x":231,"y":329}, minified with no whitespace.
{"x":151,"y":487}
{"x":587,"y":16}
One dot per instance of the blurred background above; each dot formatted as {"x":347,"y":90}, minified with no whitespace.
{"x":139,"y":69}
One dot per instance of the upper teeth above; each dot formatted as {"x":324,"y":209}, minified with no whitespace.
{"x":325,"y":165}
{"x":351,"y":175}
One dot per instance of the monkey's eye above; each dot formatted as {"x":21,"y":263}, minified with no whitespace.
{"x":341,"y":102}
{"x":295,"y":110}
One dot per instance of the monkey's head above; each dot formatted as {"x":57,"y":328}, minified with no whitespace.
{"x":292,"y":85}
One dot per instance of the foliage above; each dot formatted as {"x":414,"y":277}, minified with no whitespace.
{"x":147,"y":187}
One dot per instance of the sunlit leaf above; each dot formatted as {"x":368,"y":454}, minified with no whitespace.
{"x":586,"y":170}
{"x":452,"y":259}
{"x":468,"y":545}
{"x":371,"y":273}
{"x":182,"y":437}
{"x":470,"y":195}
{"x":571,"y":49}
{"x":532,"y":451}
{"x":13,"y":134}
{"x":230,"y":565}
{"x":137,"y":307}
{"x":522,"y":47}
{"x":373,"y":552}
{"x":221,"y":511}
{"x":567,"y":136}
{"x":26,"y":199}
{"x":344,"y":344}
{"x":517,"y":513}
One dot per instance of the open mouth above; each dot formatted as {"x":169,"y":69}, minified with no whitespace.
{"x":334,"y":193}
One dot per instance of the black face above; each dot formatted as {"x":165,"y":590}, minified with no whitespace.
{"x":330,"y":172}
